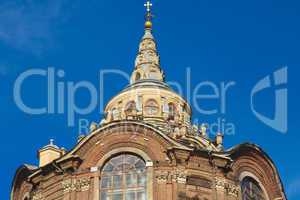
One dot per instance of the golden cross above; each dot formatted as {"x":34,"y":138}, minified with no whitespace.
{"x":148,"y":5}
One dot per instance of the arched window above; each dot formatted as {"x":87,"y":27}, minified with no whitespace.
{"x":130,"y":108}
{"x":172,"y":110}
{"x":123,"y":177}
{"x":137,"y":76}
{"x":115,"y":114}
{"x":251,"y":190}
{"x":153,"y":75}
{"x":151,"y":107}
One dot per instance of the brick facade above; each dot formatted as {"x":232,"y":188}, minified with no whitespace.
{"x":175,"y":171}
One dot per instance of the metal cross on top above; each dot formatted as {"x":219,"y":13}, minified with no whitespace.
{"x":148,"y":5}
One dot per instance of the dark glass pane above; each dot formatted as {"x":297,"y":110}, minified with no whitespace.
{"x":130,"y":196}
{"x":140,"y":165}
{"x":141,"y":196}
{"x":117,"y":160}
{"x":117,"y":196}
{"x":131,"y":180}
{"x":104,"y":196}
{"x":117,"y":181}
{"x":141,"y":179}
{"x":108,"y":168}
{"x":106,"y":182}
{"x":130,"y":159}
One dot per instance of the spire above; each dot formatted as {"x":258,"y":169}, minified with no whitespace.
{"x":147,"y":63}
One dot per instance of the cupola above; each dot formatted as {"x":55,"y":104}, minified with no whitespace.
{"x":49,"y":153}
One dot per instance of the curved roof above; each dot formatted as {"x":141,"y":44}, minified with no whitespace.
{"x":23,"y":171}
{"x":234,"y":152}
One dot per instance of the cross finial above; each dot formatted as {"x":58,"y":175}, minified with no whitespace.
{"x":148,"y":6}
{"x":51,"y":141}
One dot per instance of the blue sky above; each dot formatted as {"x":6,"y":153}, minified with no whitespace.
{"x":220,"y":41}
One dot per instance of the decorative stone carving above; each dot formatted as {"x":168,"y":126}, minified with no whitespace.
{"x":176,"y":133}
{"x":231,"y":189}
{"x":177,"y":176}
{"x":37,"y":196}
{"x":162,"y":177}
{"x":78,"y":185}
{"x":220,"y":184}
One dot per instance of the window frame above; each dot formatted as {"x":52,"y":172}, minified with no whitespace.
{"x":147,"y":106}
{"x":259,"y":184}
{"x":108,"y":154}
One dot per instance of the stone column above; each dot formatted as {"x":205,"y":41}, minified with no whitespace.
{"x":150,"y":179}
{"x":96,"y":189}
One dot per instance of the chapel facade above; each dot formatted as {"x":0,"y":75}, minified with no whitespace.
{"x":146,"y":148}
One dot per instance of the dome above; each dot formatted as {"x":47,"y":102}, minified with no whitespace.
{"x":151,"y":101}
{"x":148,"y":97}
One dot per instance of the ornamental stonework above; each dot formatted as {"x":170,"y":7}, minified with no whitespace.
{"x":37,"y":196}
{"x":223,"y":185}
{"x":78,"y":185}
{"x":177,"y":176}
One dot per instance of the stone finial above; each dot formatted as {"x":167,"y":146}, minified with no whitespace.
{"x":195,"y":130}
{"x":103,"y":122}
{"x":203,"y":129}
{"x":219,"y":140}
{"x":80,"y":137}
{"x":93,"y":126}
